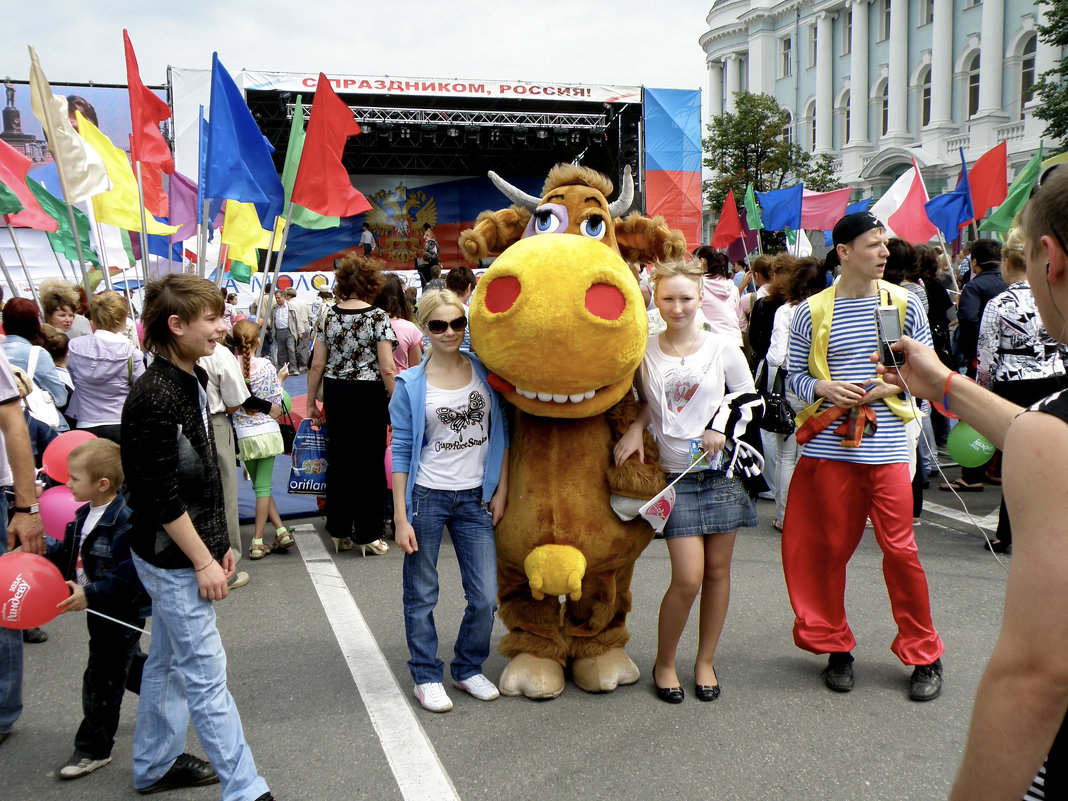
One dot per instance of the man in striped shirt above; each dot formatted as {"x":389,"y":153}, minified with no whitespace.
{"x":854,"y":464}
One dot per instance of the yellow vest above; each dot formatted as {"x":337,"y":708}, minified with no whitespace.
{"x":821,"y":307}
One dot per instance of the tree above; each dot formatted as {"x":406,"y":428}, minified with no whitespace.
{"x":749,"y":147}
{"x":1052,"y":87}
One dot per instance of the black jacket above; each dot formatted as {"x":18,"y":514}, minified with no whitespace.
{"x":973,"y":299}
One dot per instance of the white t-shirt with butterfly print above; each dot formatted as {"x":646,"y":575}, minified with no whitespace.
{"x":456,"y":436}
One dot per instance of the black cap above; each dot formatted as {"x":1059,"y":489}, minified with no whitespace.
{"x":853,"y":225}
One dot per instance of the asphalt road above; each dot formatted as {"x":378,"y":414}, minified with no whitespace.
{"x":317,"y":664}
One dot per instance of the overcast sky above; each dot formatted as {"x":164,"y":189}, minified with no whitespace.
{"x":627,"y":42}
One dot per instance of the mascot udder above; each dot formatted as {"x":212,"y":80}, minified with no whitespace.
{"x":560,"y":323}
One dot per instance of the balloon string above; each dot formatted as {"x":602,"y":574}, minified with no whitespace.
{"x":120,"y":622}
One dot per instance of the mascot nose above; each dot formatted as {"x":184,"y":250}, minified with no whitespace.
{"x":502,"y":294}
{"x":555,"y":570}
{"x":605,"y":301}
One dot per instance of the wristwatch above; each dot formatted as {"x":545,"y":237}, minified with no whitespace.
{"x":26,"y":510}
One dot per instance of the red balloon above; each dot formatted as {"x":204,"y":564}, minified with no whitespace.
{"x":30,"y":588}
{"x":55,"y":455}
{"x":57,"y":509}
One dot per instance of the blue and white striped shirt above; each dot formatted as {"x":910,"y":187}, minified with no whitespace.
{"x":852,"y":342}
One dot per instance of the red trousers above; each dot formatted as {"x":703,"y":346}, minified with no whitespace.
{"x":825,"y":515}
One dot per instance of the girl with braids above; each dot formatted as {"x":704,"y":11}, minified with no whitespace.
{"x":259,"y":439}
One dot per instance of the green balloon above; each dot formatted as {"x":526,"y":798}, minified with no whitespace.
{"x":287,"y":402}
{"x":967,"y":447}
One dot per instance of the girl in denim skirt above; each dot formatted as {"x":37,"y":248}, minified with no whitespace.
{"x":450,"y":463}
{"x":698,"y":393}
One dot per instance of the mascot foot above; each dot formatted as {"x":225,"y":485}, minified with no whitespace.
{"x":533,"y":677}
{"x":602,"y":674}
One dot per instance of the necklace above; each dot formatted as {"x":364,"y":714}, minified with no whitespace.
{"x":682,"y":358}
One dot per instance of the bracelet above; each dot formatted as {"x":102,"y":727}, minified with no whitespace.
{"x":209,"y":564}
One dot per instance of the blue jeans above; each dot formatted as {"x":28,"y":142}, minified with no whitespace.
{"x":186,"y":675}
{"x":471,"y":530}
{"x":10,"y":653}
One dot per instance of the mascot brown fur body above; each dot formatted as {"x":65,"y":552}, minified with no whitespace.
{"x":560,"y":323}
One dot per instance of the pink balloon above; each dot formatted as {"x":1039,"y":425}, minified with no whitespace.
{"x":30,"y":588}
{"x":57,"y":509}
{"x":389,"y":467}
{"x":55,"y":456}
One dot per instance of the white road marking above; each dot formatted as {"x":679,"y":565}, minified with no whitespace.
{"x":413,"y":760}
{"x":988,"y":522}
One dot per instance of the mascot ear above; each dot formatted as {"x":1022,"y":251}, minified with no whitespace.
{"x":645,"y":240}
{"x":493,"y":232}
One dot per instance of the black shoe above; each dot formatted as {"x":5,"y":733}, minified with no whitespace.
{"x":706,"y":692}
{"x":34,"y":635}
{"x":838,"y":675}
{"x":187,"y":771}
{"x":266,"y":797}
{"x":4,"y":735}
{"x":670,"y":695}
{"x":997,"y":546}
{"x":926,"y":682}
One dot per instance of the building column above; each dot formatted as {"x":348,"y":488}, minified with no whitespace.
{"x":824,"y":84}
{"x":898,"y":79}
{"x":991,"y":58}
{"x":942,"y":64}
{"x":733,"y":82}
{"x":715,"y":88}
{"x":858,"y":74}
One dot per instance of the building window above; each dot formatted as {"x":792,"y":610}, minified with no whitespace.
{"x":926,"y":12}
{"x":847,"y":32}
{"x":884,"y":108}
{"x":1027,"y":70}
{"x":972,"y":3}
{"x":786,"y":65}
{"x":845,"y":111}
{"x":973,"y":85}
{"x":810,"y":112}
{"x":788,"y":128}
{"x":925,"y":97}
{"x":884,"y":20}
{"x":812,"y":46}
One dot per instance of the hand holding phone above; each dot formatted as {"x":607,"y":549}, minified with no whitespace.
{"x":888,"y":326}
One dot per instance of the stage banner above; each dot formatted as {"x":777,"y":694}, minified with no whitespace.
{"x":673,"y":159}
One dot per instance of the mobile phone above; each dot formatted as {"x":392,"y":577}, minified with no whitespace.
{"x":888,"y":325}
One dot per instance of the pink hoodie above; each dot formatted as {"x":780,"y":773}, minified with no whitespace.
{"x":720,"y":306}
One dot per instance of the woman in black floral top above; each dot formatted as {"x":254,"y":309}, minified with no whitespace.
{"x":353,"y":359}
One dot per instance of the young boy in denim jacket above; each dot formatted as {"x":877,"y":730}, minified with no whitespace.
{"x":94,"y":557}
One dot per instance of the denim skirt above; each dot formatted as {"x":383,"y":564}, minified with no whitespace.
{"x":708,"y":502}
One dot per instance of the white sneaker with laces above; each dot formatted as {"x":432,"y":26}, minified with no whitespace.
{"x":76,"y":766}
{"x":432,"y":696}
{"x":479,"y":687}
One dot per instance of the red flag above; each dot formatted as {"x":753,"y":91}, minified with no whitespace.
{"x":146,"y":113}
{"x":322,"y":184}
{"x":13,"y":168}
{"x":729,"y":227}
{"x":988,"y":179}
{"x":156,"y":201}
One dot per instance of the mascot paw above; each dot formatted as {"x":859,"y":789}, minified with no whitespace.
{"x":533,"y":677}
{"x":602,"y":674}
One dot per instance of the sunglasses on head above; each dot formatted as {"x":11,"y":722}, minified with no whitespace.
{"x":439,"y":326}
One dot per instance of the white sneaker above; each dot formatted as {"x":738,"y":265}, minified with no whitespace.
{"x":479,"y":686}
{"x":432,"y":696}
{"x":76,"y":766}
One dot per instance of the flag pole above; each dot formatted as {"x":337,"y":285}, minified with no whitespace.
{"x":7,"y":277}
{"x":277,"y":259}
{"x":59,"y":264}
{"x":144,"y":226}
{"x":103,"y":249}
{"x":217,"y":280}
{"x":202,"y":241}
{"x":22,"y":259}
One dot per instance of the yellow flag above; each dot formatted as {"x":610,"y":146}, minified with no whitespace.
{"x":120,"y":206}
{"x":244,"y":234}
{"x":81,"y":170}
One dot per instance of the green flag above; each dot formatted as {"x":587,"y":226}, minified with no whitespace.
{"x":752,"y":210}
{"x":241,"y":272}
{"x":9,"y":201}
{"x":1004,"y":215}
{"x":301,"y":216}
{"x":62,"y":241}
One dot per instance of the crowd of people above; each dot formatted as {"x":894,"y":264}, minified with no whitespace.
{"x":177,"y":399}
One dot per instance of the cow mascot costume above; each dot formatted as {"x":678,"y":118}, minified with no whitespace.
{"x":560,"y":323}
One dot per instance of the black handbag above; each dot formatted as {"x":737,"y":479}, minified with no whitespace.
{"x":289,"y":432}
{"x":778,"y":415}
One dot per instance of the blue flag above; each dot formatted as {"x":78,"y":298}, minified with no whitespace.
{"x":781,"y":208}
{"x":237,"y":164}
{"x":950,"y":210}
{"x":853,"y":208}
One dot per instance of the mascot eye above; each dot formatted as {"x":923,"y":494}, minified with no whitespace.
{"x":593,"y":227}
{"x":545,"y":222}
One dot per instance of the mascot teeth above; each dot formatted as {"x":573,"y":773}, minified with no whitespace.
{"x":578,"y":397}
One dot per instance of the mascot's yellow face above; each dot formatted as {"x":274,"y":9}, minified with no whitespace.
{"x":561,"y":323}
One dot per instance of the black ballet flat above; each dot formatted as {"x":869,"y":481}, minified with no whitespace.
{"x":669,"y":695}
{"x":706,"y":692}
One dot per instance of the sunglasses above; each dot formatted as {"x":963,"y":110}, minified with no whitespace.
{"x":439,"y":326}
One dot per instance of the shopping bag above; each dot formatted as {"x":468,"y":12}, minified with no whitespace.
{"x":307,"y":476}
